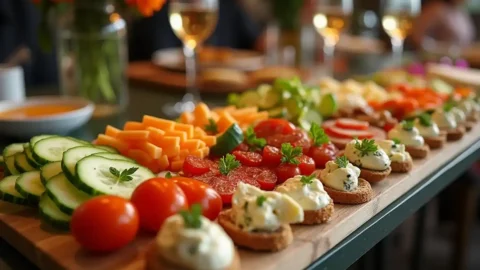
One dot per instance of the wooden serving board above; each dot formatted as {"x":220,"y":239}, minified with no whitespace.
{"x":48,"y":249}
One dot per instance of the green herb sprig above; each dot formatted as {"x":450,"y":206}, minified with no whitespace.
{"x":396,"y":141}
{"x":366,"y":146}
{"x":124,"y":175}
{"x":307,"y":180}
{"x":408,"y":125}
{"x":425,"y":119}
{"x":211,"y":127}
{"x":260,"y":200}
{"x":447,"y":107}
{"x":168,"y":175}
{"x":318,"y":135}
{"x":290,"y":153}
{"x":192,"y":219}
{"x":252,"y":141}
{"x":342,"y":161}
{"x":227,"y":164}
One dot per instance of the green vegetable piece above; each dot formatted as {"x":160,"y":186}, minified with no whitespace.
{"x":227,"y":164}
{"x":328,"y":105}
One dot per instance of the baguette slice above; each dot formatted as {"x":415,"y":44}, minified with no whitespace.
{"x":374,"y":176}
{"x":362,"y":194}
{"x":436,"y":142}
{"x":155,"y":262}
{"x":418,"y":152}
{"x":322,"y":215}
{"x":261,"y":241}
{"x":402,"y":167}
{"x":455,"y":134}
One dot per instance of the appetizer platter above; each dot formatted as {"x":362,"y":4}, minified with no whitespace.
{"x":272,"y":181}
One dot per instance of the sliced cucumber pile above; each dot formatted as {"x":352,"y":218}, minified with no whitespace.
{"x":114,"y":156}
{"x":21,"y":163}
{"x":73,"y":155}
{"x":30,"y":186}
{"x":51,"y":149}
{"x":94,"y":176}
{"x":28,"y":152}
{"x":9,"y":156}
{"x":50,"y":213}
{"x":65,"y":195}
{"x":8,"y":192}
{"x":50,"y":170}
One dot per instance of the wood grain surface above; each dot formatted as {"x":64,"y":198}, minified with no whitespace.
{"x":48,"y":249}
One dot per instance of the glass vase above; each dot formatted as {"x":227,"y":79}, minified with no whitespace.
{"x":92,"y":55}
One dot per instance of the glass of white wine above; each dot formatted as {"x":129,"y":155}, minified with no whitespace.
{"x":331,"y":18}
{"x":192,"y":21}
{"x":397,"y":21}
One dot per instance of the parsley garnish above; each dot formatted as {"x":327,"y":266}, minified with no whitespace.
{"x":342,"y":161}
{"x":227,"y":164}
{"x":211,"y":127}
{"x":318,"y":135}
{"x":366,"y":146}
{"x":425,"y":119}
{"x":260,"y":200}
{"x":123,"y":176}
{"x":168,"y":175}
{"x":307,"y":180}
{"x":191,"y":218}
{"x":448,"y":106}
{"x":290,"y":153}
{"x":253,"y":142}
{"x":396,"y":141}
{"x":407,"y":125}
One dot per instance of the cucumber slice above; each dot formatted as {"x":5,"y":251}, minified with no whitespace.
{"x":230,"y":139}
{"x":328,"y":105}
{"x":269,"y":97}
{"x":232,"y":99}
{"x":73,"y":155}
{"x":21,"y":163}
{"x":28,"y":152}
{"x":51,"y":214}
{"x":50,"y":170}
{"x":10,"y":166}
{"x":94,"y":177}
{"x":308,"y":117}
{"x":249,"y":98}
{"x":107,"y":148}
{"x":38,"y":138}
{"x":51,"y":149}
{"x":13,"y":149}
{"x":29,"y":185}
{"x":65,"y":195}
{"x":114,"y":156}
{"x":8,"y":192}
{"x":294,"y":107}
{"x":279,"y":112}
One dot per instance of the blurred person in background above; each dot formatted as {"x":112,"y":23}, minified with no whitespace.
{"x":443,"y":23}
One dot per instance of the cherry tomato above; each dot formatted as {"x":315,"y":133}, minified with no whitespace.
{"x":307,"y":165}
{"x":224,"y":187}
{"x":248,"y":158}
{"x":105,"y":223}
{"x":286,"y":171}
{"x":241,"y":147}
{"x":156,"y":200}
{"x":271,"y":156}
{"x":296,"y":138}
{"x":199,"y":192}
{"x":273,"y":126}
{"x":196,"y":166}
{"x":388,"y":126}
{"x":323,"y":154}
{"x":267,"y":179}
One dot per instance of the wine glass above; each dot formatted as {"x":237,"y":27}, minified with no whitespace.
{"x":331,"y":18}
{"x":397,"y":21}
{"x":192,"y":21}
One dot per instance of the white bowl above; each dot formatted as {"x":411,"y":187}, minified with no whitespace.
{"x":60,"y":124}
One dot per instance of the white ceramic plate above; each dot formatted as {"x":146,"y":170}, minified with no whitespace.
{"x":56,"y":124}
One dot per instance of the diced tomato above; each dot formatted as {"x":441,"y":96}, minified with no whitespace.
{"x":285,"y":171}
{"x":271,"y":156}
{"x":193,"y":166}
{"x":323,"y":154}
{"x":273,"y":126}
{"x":307,"y":165}
{"x":267,"y":179}
{"x":248,"y":158}
{"x":347,"y":123}
{"x":348,"y":133}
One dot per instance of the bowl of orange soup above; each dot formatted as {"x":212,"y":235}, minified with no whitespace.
{"x":43,"y":115}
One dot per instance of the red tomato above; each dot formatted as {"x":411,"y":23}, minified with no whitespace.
{"x":271,"y":156}
{"x":196,"y":166}
{"x":307,"y":165}
{"x":225,"y":188}
{"x":285,"y":171}
{"x":248,"y":158}
{"x":347,"y":123}
{"x":156,"y":200}
{"x":388,"y":126}
{"x":267,"y":179}
{"x":296,"y":138}
{"x":241,"y":147}
{"x":104,"y":223}
{"x":323,"y":154}
{"x":199,"y":192}
{"x":348,"y":133}
{"x":273,"y":126}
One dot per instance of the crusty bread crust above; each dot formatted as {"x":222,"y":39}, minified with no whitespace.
{"x":362,"y":194}
{"x":468,"y":126}
{"x":260,"y":241}
{"x":155,"y":262}
{"x":311,"y":217}
{"x":401,"y":167}
{"x":374,"y":176}
{"x":455,"y":134}
{"x":436,"y":142}
{"x":418,"y":152}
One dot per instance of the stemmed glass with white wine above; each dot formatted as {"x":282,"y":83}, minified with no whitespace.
{"x":331,"y":18}
{"x":397,"y":21}
{"x":192,"y":21}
